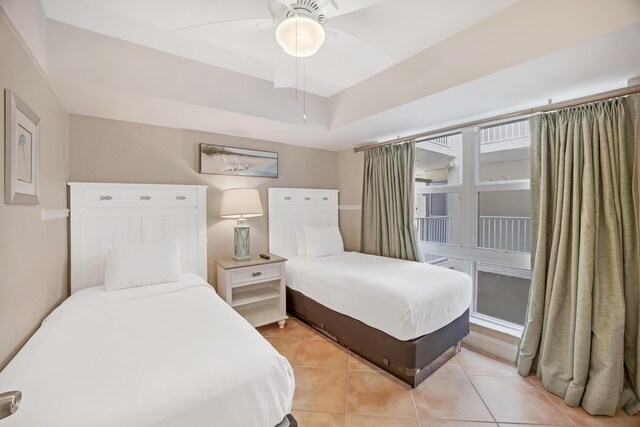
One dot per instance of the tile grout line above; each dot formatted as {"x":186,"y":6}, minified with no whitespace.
{"x":480,"y":396}
{"x":544,"y":392}
{"x":460,"y":364}
{"x":315,"y":411}
{"x":305,"y":338}
{"x":476,"y":390}
{"x":415,"y":407}
{"x":321,"y":367}
{"x":298,"y":352}
{"x":494,"y":376}
{"x":346,"y":393}
{"x":467,"y":375}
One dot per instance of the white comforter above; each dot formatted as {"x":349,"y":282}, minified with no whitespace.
{"x":402,"y":298}
{"x":155,"y":356}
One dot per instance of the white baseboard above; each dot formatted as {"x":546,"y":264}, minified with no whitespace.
{"x":492,"y":346}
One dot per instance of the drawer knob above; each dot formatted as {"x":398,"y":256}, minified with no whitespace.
{"x":105,"y":198}
{"x":180,"y":198}
{"x":287,"y":198}
{"x":256,"y":274}
{"x":325,"y":198}
{"x":145,"y":197}
{"x":307,"y":198}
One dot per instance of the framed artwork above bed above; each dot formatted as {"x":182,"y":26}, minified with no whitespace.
{"x":221,"y":160}
{"x":21,"y":151}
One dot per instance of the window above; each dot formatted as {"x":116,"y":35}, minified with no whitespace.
{"x":438,"y":170}
{"x":504,"y":152}
{"x":504,"y":220}
{"x":473,"y":214}
{"x":438,"y":160}
{"x":445,"y":261}
{"x":438,"y":217}
{"x":502,"y":292}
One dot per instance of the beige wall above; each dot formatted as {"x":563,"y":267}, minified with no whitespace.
{"x":33,"y":253}
{"x":350,"y":172}
{"x":102,"y":150}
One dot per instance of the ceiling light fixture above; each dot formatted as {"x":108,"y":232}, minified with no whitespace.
{"x":300,"y":36}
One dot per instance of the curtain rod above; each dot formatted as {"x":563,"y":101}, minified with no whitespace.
{"x":530,"y":111}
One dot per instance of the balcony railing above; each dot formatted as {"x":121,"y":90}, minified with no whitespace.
{"x":509,"y":233}
{"x":444,"y":141}
{"x":434,"y":229}
{"x":504,"y":132}
{"x":434,"y":259}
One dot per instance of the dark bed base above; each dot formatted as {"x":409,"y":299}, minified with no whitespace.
{"x":288,"y":421}
{"x":410,"y":361}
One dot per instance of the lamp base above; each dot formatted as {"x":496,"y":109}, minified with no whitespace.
{"x":241,"y":241}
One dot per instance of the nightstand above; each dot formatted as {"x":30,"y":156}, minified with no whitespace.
{"x":254,"y":288}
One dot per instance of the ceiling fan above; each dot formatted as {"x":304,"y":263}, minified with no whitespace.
{"x":301,"y":30}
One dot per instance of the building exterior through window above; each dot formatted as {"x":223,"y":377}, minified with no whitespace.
{"x":473,"y":214}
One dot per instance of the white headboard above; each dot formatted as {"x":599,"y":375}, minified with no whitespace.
{"x":105,"y":215}
{"x":290,"y":208}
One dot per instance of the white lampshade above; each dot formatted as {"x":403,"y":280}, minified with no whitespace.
{"x":310,"y":36}
{"x":240,"y":202}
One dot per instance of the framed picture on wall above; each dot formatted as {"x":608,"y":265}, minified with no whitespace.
{"x":221,"y":160}
{"x":21,"y":151}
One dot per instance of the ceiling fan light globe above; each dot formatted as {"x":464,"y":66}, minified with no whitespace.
{"x":310,"y":36}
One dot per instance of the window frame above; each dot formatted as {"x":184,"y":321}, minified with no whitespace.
{"x":470,"y":190}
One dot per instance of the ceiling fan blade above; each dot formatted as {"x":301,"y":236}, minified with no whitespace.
{"x":285,"y":71}
{"x":344,"y":6}
{"x":278,"y":8}
{"x":350,"y":45}
{"x":233,"y":26}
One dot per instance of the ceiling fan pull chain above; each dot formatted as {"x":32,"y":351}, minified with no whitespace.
{"x":304,"y":91}
{"x":296,"y":17}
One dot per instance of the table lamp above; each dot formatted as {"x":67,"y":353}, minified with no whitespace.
{"x":241,"y":203}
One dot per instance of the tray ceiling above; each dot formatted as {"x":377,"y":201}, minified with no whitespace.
{"x":360,"y":44}
{"x":435,"y":63}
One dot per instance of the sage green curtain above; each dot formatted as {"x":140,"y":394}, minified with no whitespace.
{"x":581,"y":334}
{"x":388,"y":208}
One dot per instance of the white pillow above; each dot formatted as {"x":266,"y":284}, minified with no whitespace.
{"x":323,"y":241}
{"x":301,"y":242}
{"x":129,"y":266}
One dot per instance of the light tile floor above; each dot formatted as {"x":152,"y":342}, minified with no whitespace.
{"x":335,"y":388}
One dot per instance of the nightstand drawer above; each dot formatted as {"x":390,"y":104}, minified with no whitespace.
{"x":260,"y":273}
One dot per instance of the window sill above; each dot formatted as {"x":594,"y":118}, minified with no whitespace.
{"x":502,"y":327}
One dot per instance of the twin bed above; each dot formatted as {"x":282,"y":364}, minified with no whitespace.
{"x":162,"y":355}
{"x":407,"y":318}
{"x":174,"y":353}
